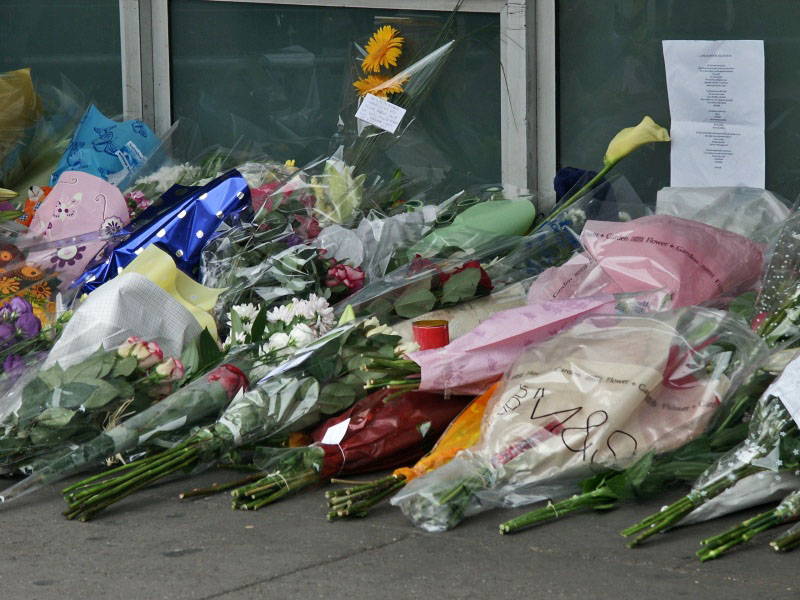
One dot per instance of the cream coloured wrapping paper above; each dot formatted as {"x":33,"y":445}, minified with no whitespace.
{"x":593,"y":396}
{"x":128,"y":305}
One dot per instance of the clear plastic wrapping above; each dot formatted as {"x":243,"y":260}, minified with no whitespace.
{"x":597,"y":395}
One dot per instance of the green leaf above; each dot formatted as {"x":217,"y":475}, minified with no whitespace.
{"x":417,"y":300}
{"x":124,"y":367}
{"x":236,"y":324}
{"x":202,"y":354}
{"x":461,"y":286}
{"x":55,"y":416}
{"x":102,"y":393}
{"x":378,"y":307}
{"x":73,"y":394}
{"x":335,"y":397}
{"x":637,"y":472}
{"x":259,"y":326}
{"x":52,"y":377}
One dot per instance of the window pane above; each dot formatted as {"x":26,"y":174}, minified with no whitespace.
{"x":276,"y":74}
{"x":611,"y":73}
{"x":77,"y":38}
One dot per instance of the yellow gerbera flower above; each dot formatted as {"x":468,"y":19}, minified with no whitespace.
{"x":380,"y":85}
{"x":383,"y":50}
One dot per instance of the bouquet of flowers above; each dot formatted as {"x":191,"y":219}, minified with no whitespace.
{"x":462,"y":433}
{"x":22,"y":334}
{"x":267,"y":345}
{"x":564,"y":409}
{"x":380,"y":431}
{"x":289,"y":398}
{"x":75,"y":403}
{"x":772,"y":444}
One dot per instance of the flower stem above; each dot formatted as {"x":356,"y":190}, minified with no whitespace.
{"x":555,"y":511}
{"x":215,"y":488}
{"x":677,"y":511}
{"x":577,"y":195}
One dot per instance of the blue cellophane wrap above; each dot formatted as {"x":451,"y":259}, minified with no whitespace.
{"x":181,"y":224}
{"x":106,"y":148}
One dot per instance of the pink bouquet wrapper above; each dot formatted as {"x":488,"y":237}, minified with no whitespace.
{"x":485,"y":353}
{"x":693,"y":261}
{"x":78,"y":204}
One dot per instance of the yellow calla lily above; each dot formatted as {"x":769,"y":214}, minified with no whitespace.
{"x":7,"y":194}
{"x":625,"y":142}
{"x":630,"y":138}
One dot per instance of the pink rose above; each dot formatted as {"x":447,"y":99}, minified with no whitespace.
{"x":340,"y":274}
{"x":171,"y":369}
{"x":147,"y":353}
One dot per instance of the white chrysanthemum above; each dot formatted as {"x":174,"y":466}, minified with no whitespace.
{"x":283,"y":313}
{"x":324,"y":313}
{"x":246,"y":312}
{"x":302,"y":335}
{"x":304,"y":309}
{"x":239,"y":339}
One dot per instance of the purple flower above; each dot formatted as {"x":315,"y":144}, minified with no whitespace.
{"x":7,"y":336}
{"x":28,"y":325}
{"x":292,"y":240}
{"x":6,"y":313}
{"x":13,"y":365}
{"x":21,"y":306}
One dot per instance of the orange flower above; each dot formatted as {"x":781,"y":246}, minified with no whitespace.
{"x":379,"y":85}
{"x":41,"y":291}
{"x":9,"y":285}
{"x":383,"y":50}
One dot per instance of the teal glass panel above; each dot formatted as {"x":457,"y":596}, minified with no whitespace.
{"x":277,"y":75}
{"x":611,"y":74}
{"x":79,"y":39}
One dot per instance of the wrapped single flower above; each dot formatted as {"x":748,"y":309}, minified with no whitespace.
{"x":383,"y":49}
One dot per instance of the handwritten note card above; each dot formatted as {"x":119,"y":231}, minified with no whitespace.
{"x":716,"y":101}
{"x":380,"y":113}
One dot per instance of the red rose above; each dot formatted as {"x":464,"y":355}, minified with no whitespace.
{"x":264,"y":196}
{"x":352,"y":278}
{"x":419,"y":264}
{"x":230,"y":378}
{"x":309,"y":227}
{"x":484,"y":282}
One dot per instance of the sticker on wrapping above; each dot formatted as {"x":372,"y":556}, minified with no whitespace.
{"x":335,"y":434}
{"x":785,"y":387}
{"x":380,"y":113}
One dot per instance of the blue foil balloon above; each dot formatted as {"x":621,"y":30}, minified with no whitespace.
{"x":180,"y":225}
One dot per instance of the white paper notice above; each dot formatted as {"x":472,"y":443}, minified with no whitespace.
{"x":716,"y":101}
{"x":335,"y":434}
{"x":380,"y":113}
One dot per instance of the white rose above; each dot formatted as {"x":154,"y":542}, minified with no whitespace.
{"x":302,"y":335}
{"x":278,"y":341}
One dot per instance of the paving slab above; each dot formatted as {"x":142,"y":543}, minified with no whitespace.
{"x":154,"y":546}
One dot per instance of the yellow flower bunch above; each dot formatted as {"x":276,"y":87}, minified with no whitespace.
{"x":383,"y":50}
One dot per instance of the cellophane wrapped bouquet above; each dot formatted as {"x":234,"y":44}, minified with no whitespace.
{"x":599,"y":394}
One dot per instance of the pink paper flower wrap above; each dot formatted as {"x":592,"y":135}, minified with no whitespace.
{"x":693,"y":261}
{"x":486,"y":352}
{"x":78,"y":204}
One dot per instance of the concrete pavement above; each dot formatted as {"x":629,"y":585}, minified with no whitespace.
{"x":153,"y":546}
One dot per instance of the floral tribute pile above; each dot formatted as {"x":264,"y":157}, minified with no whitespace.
{"x":162,"y":314}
